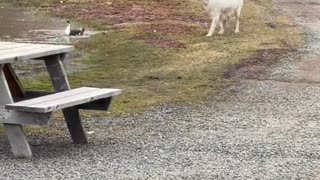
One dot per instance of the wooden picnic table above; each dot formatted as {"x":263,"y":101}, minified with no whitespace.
{"x":19,"y":107}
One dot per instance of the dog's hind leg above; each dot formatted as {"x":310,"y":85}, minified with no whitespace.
{"x":237,"y":13}
{"x":221,"y":22}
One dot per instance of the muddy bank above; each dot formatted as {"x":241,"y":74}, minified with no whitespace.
{"x":258,"y":65}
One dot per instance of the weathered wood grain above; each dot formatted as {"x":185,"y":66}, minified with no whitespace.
{"x":17,"y":138}
{"x":14,"y":83}
{"x":63,"y":100}
{"x":61,"y":83}
{"x":10,"y":51}
{"x":18,"y":141}
{"x":14,"y":117}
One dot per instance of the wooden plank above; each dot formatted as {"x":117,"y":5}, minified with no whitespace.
{"x":57,"y":73}
{"x":77,"y":99}
{"x":71,"y":101}
{"x":55,"y":96}
{"x":32,"y":54}
{"x":11,"y":46}
{"x":14,"y":83}
{"x":25,"y":48}
{"x":60,"y":82}
{"x":2,"y":43}
{"x":17,"y":138}
{"x":57,"y":102}
{"x":14,"y":117}
{"x":6,"y":42}
{"x":75,"y":126}
{"x":10,"y":52}
{"x":18,"y":141}
{"x":5,"y":95}
{"x":20,"y":47}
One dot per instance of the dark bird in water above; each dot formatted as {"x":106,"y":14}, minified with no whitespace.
{"x":73,"y":32}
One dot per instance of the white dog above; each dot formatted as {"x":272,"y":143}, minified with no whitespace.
{"x":221,"y":11}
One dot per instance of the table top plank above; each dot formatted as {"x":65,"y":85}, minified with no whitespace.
{"x":21,"y":48}
{"x":31,"y":50}
{"x":10,"y":51}
{"x":11,"y":46}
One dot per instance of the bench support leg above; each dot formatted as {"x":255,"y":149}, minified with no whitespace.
{"x":61,"y":83}
{"x":74,"y":124}
{"x":18,"y":141}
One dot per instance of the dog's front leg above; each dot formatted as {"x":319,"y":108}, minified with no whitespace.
{"x":215,"y":19}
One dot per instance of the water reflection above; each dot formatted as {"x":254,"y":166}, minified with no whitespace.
{"x":29,"y":25}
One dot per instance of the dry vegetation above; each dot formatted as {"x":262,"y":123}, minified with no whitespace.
{"x":157,"y":52}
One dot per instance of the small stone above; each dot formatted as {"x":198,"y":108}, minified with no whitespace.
{"x":90,"y":132}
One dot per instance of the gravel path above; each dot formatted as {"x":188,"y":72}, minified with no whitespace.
{"x":267,"y":129}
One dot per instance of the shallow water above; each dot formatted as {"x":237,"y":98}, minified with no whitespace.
{"x":29,"y":25}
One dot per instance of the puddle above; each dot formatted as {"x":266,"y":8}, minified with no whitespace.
{"x":20,"y":25}
{"x":31,"y":26}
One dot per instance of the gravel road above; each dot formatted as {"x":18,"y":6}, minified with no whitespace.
{"x":263,"y":129}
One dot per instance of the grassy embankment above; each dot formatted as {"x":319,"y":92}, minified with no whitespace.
{"x":157,"y":52}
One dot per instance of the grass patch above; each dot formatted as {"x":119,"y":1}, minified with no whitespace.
{"x":156,"y":50}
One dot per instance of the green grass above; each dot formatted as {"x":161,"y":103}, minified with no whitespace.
{"x":170,"y":61}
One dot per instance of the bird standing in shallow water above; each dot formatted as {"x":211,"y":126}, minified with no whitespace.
{"x":73,"y":32}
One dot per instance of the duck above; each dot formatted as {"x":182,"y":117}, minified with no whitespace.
{"x":73,"y":32}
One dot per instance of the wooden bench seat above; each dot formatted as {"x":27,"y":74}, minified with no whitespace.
{"x":37,"y":111}
{"x":61,"y":100}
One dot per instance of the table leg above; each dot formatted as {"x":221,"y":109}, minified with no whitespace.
{"x":60,"y":82}
{"x":14,"y":83}
{"x":17,"y":138}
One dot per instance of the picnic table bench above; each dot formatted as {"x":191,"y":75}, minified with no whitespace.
{"x":20,"y":107}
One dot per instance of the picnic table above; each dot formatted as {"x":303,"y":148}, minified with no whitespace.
{"x":19,"y":107}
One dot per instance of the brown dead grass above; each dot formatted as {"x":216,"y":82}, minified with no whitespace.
{"x":157,"y":52}
{"x":119,"y":11}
